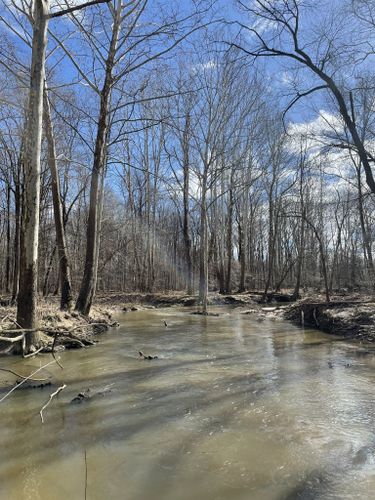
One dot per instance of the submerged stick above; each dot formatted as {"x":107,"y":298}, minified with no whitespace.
{"x":51,"y":396}
{"x":32,"y":354}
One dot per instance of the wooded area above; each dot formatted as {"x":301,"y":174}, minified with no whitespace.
{"x":182,"y":145}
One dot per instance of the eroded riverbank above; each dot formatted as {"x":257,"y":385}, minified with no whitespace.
{"x":233,"y":408}
{"x":352,"y":319}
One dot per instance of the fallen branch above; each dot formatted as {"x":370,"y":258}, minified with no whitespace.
{"x":5,"y":318}
{"x":70,"y":338}
{"x":31,"y":354}
{"x":53,"y":352}
{"x":12,"y":339}
{"x":51,"y":396}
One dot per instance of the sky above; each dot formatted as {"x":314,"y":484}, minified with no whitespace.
{"x":310,"y":113}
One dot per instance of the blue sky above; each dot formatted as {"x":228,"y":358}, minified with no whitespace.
{"x":278,"y":70}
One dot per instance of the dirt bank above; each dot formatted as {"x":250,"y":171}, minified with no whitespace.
{"x":350,"y":318}
{"x":60,"y":329}
{"x":136,"y":301}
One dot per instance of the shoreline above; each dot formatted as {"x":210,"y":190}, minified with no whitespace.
{"x":352,"y":317}
{"x":59,"y":330}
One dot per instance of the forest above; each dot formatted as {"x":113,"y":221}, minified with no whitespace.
{"x":171,"y":154}
{"x":141,"y":155}
{"x":197,"y":146}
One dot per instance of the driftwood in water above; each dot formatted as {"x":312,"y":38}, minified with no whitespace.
{"x":90,"y":394}
{"x":147,"y":356}
{"x":205,"y":313}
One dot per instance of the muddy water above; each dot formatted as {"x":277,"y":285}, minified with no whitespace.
{"x":233,"y":409}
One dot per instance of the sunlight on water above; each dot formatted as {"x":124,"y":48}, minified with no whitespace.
{"x":232,"y":409}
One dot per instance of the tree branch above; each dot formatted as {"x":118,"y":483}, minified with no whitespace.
{"x":77,"y":7}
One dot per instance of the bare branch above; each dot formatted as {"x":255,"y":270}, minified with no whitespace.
{"x":61,"y":388}
{"x":75,"y":8}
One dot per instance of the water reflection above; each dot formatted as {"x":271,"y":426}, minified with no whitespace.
{"x":232,"y":409}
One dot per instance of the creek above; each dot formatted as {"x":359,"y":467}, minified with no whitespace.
{"x":232,"y":409}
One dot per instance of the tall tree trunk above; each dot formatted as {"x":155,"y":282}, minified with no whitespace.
{"x":365,"y":233}
{"x":241,"y":260}
{"x":27,"y":296}
{"x":186,"y":218}
{"x":99,"y":221}
{"x":301,"y":243}
{"x":87,"y":290}
{"x":8,"y":257}
{"x":203,"y":253}
{"x":271,"y":249}
{"x":17,"y":232}
{"x":323,"y":258}
{"x":48,"y":271}
{"x":228,"y":284}
{"x":66,"y":301}
{"x":301,"y":255}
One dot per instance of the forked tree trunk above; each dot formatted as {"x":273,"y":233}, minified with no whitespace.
{"x":27,"y":296}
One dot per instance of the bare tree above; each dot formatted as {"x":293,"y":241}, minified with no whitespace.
{"x":286,"y":39}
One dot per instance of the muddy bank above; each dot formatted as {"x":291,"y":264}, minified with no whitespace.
{"x":58,"y":329}
{"x":354,"y":319}
{"x":135,"y":301}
